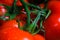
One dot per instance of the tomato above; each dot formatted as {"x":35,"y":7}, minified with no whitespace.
{"x":10,"y":2}
{"x":52,"y":27}
{"x":6,"y":2}
{"x":12,"y":23}
{"x":54,"y":6}
{"x":15,"y":34}
{"x":39,"y":37}
{"x":2,"y":10}
{"x":52,"y":23}
{"x":1,"y":23}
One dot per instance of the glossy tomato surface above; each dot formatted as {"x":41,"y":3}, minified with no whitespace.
{"x":15,"y":34}
{"x":38,"y":37}
{"x":54,"y":6}
{"x":10,"y":2}
{"x":2,"y":10}
{"x":52,"y":23}
{"x":52,"y":27}
{"x":1,"y":23}
{"x":12,"y":23}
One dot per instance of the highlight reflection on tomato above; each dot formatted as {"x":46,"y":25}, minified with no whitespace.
{"x":13,"y":33}
{"x":52,"y":23}
{"x":12,"y":23}
{"x":2,"y":10}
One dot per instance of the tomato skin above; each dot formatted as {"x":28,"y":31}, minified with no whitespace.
{"x":2,"y":10}
{"x":1,"y":23}
{"x":10,"y":2}
{"x":38,"y":37}
{"x":52,"y":27}
{"x":12,"y":23}
{"x":6,"y":2}
{"x":52,"y":23}
{"x":15,"y":34}
{"x":54,"y":6}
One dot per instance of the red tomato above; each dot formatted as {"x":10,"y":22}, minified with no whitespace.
{"x":6,"y":2}
{"x":12,"y":23}
{"x":54,"y":6}
{"x":2,"y":10}
{"x":10,"y":2}
{"x":1,"y":23}
{"x":39,"y":37}
{"x":52,"y":23}
{"x":52,"y":27}
{"x":15,"y":34}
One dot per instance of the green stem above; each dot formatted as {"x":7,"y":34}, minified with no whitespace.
{"x":33,"y":25}
{"x":18,"y":21}
{"x":34,"y":11}
{"x":32,"y":21}
{"x":41,"y":21}
{"x":37,"y":31}
{"x":35,"y":22}
{"x":34,"y":6}
{"x":13,"y":8}
{"x":48,"y":14}
{"x":27,"y":11}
